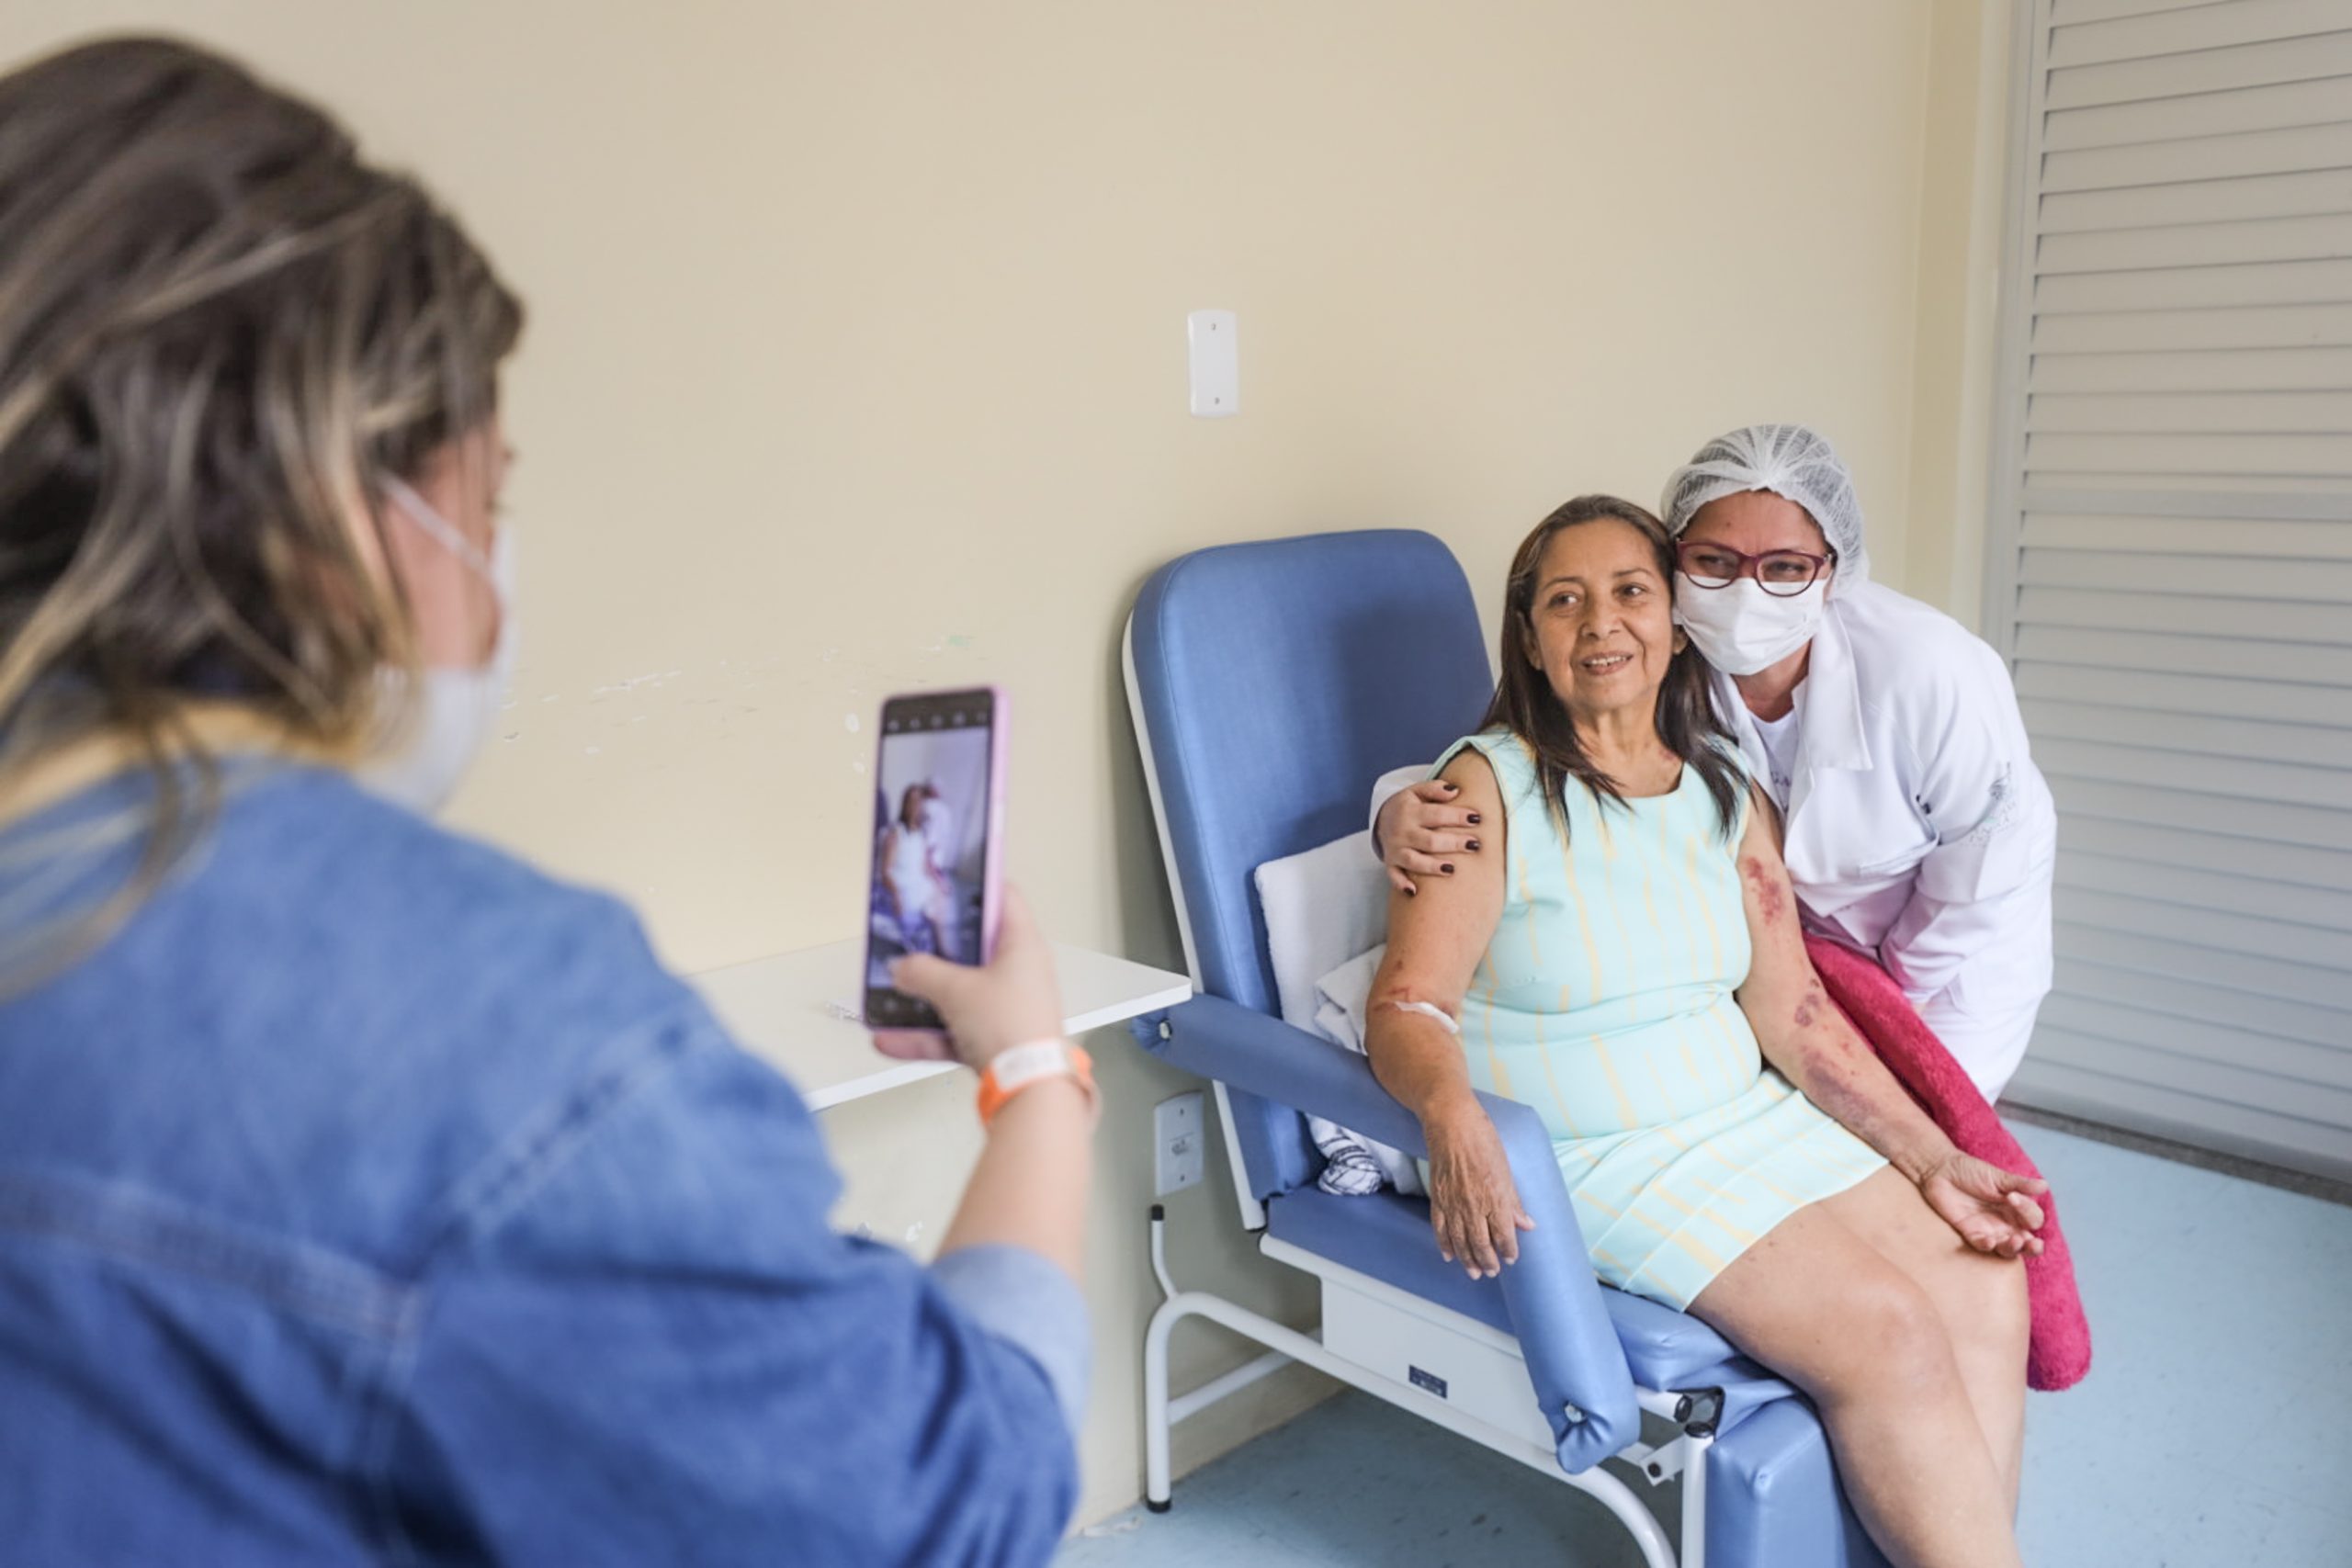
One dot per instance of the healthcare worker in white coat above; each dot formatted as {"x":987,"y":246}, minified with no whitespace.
{"x":1918,"y":828}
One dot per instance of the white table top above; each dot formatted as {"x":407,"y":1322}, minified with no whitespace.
{"x":799,"y":1012}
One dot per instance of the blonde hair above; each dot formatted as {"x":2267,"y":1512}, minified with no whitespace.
{"x":219,"y":330}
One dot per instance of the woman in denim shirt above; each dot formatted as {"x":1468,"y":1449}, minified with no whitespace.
{"x":365,"y":1194}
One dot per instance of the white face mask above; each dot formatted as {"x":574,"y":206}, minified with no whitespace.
{"x":442,"y":717}
{"x":1742,"y":629}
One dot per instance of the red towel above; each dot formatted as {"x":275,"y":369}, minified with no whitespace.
{"x":2060,"y":1350}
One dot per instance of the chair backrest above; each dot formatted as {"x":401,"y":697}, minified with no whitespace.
{"x":1271,"y":683}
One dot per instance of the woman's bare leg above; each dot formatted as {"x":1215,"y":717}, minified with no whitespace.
{"x":1825,"y":1309}
{"x":1981,"y":1299}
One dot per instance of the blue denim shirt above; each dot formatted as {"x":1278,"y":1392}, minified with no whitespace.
{"x":371,"y":1197}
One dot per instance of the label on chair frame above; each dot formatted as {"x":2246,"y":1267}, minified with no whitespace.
{"x":1429,"y":1381}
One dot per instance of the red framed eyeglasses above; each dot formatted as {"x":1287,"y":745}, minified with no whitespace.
{"x":1784,"y":573}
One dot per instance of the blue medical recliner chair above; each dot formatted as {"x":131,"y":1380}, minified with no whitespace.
{"x":1270,"y":684}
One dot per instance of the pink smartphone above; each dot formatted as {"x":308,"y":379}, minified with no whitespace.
{"x":938,"y":846}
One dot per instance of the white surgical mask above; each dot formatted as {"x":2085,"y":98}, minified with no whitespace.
{"x":442,"y":717}
{"x":1742,"y":629}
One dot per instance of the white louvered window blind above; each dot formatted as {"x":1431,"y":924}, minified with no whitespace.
{"x":2170,"y":567}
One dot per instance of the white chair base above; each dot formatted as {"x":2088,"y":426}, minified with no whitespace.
{"x":1460,"y":1374}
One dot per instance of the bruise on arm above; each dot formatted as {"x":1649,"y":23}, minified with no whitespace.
{"x":1435,"y":940}
{"x":1806,"y":1035}
{"x":1769,"y":892}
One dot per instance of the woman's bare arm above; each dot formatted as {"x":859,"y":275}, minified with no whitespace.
{"x":1805,"y":1036}
{"x":1435,"y":940}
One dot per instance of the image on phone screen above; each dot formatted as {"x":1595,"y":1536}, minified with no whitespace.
{"x":931,"y":816}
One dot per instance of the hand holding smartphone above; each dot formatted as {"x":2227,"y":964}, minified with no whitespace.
{"x":1013,"y":1000}
{"x":937,"y":877}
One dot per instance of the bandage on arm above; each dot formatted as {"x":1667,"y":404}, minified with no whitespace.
{"x":1427,"y":1010}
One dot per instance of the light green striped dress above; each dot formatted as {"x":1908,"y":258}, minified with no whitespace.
{"x":1605,"y":1001}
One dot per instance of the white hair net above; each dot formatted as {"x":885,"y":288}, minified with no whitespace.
{"x":1791,"y":461}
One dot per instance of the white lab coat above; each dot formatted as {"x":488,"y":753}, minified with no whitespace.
{"x":1919,"y":829}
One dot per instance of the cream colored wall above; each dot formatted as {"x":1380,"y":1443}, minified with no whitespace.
{"x":1962,"y":189}
{"x":856,"y":363}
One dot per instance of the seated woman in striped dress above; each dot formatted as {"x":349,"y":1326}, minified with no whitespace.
{"x":1630,"y":964}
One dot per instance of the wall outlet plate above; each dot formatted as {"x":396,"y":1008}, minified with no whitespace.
{"x":1214,"y":336}
{"x":1178,"y":1137}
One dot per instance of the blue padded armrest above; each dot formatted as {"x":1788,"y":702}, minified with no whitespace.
{"x":1554,"y":1301}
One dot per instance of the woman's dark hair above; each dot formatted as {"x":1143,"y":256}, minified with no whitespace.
{"x":1526,"y":704}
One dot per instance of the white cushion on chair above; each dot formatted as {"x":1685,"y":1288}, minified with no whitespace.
{"x":1323,"y":906}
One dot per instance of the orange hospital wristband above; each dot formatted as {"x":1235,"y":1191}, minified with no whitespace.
{"x":1010,"y":1071}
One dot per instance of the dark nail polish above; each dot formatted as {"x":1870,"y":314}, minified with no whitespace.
{"x":1474,"y":819}
{"x":1412,"y":892}
{"x":1447,"y":869}
{"x":1474,"y":843}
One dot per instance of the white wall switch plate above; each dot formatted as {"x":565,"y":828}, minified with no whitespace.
{"x":1216,"y":363}
{"x":1180,"y":1136}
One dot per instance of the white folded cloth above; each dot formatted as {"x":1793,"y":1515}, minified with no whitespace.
{"x":1354,"y":1166}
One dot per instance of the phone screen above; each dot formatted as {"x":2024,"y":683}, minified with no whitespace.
{"x":931,"y":810}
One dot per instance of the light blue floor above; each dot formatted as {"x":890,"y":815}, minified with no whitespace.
{"x":2214,"y":1430}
